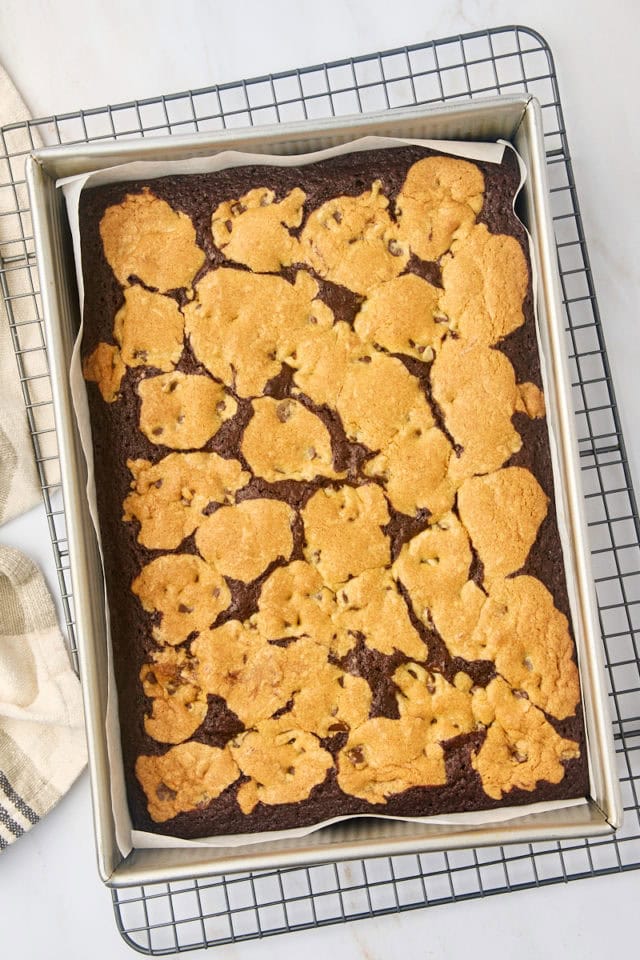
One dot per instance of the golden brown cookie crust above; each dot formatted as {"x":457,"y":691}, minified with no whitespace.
{"x":187,"y":776}
{"x":294,"y":602}
{"x":244,"y":326}
{"x":254,"y":229}
{"x":178,"y":705}
{"x":401,"y":317}
{"x":383,"y":757}
{"x":439,"y":201}
{"x":364,"y":404}
{"x":283,"y":762}
{"x":146,"y":238}
{"x":426,"y":403}
{"x":485,"y":279}
{"x":169,"y":498}
{"x":414,"y":467}
{"x":371,"y":606}
{"x":529,"y":641}
{"x":354,"y":242}
{"x":187,"y":592}
{"x":182,"y":410}
{"x":343,"y":532}
{"x":242,"y":540}
{"x":149,"y":328}
{"x":106,"y":368}
{"x":285,"y":441}
{"x":475,"y":386}
{"x":521,"y":747}
{"x":502,"y":513}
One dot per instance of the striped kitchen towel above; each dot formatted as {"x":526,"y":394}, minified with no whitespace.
{"x":42,"y":745}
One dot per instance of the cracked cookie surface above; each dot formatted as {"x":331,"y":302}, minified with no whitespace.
{"x":242,"y":540}
{"x":183,"y":411}
{"x":332,"y":535}
{"x":169,"y":499}
{"x":354,"y":242}
{"x":146,"y":238}
{"x":254,"y":229}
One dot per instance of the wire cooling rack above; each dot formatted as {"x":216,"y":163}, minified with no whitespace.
{"x":165,"y":918}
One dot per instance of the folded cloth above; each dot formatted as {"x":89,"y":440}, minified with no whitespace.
{"x":42,"y":745}
{"x":19,"y":487}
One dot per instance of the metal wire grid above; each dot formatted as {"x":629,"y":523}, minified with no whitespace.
{"x":166,"y":918}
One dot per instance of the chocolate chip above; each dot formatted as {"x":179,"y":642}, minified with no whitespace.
{"x":338,"y":727}
{"x":163,"y":792}
{"x":284,"y":411}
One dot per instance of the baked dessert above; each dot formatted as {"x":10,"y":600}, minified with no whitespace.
{"x":326,"y":504}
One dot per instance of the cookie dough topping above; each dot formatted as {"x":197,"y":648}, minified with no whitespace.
{"x":244,"y":326}
{"x":521,"y":747}
{"x":254,"y":229}
{"x":502,"y":513}
{"x":383,"y":757}
{"x":169,"y":499}
{"x":187,"y":776}
{"x":485,"y":279}
{"x":284,"y":763}
{"x":528,"y":639}
{"x":378,"y":397}
{"x":475,"y":387}
{"x":182,"y":410}
{"x":146,"y":238}
{"x":150,"y":329}
{"x":370,"y":605}
{"x":179,"y":705}
{"x":106,"y":368}
{"x":285,"y":441}
{"x":439,"y":201}
{"x":241,"y":541}
{"x":399,"y":316}
{"x":343,"y":531}
{"x":294,"y":602}
{"x":353,"y":241}
{"x":187,"y":592}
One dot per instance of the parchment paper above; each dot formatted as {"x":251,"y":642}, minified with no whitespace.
{"x":128,"y":838}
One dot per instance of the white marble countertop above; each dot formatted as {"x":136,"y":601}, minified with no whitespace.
{"x":72,"y":54}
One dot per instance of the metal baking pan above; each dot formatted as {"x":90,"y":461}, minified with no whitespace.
{"x":516,"y":119}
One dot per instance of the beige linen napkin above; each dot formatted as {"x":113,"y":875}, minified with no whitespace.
{"x":42,"y":747}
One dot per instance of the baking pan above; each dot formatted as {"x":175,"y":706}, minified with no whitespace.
{"x":516,"y":119}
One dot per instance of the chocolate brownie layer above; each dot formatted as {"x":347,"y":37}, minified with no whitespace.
{"x":423,"y":657}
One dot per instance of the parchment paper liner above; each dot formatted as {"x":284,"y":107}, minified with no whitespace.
{"x":128,"y":838}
